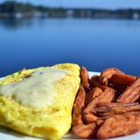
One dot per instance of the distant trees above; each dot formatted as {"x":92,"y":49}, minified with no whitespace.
{"x":28,"y":9}
{"x":12,"y":6}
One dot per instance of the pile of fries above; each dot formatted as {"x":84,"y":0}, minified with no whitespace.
{"x":106,"y":105}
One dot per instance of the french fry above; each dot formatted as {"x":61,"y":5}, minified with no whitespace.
{"x":119,"y":125}
{"x":109,"y":106}
{"x":122,"y":79}
{"x":78,"y":107}
{"x":107,"y":74}
{"x":118,"y":87}
{"x":99,"y":121}
{"x":89,"y":113}
{"x":131,"y":94}
{"x":117,"y":110}
{"x":96,"y":83}
{"x":89,"y":118}
{"x":114,"y":104}
{"x":92,"y":94}
{"x":85,"y":79}
{"x":85,"y":131}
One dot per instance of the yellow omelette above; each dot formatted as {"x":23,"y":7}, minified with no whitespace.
{"x":38,"y":102}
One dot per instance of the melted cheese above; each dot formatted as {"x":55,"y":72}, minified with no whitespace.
{"x":36,"y":91}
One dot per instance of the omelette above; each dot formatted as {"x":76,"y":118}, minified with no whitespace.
{"x":38,"y":102}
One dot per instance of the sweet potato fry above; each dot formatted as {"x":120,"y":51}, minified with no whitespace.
{"x":89,"y":118}
{"x":112,"y":105}
{"x":117,"y":110}
{"x":107,"y":105}
{"x":127,"y":113}
{"x":78,"y":107}
{"x":85,"y":131}
{"x":122,"y":79}
{"x":107,"y":74}
{"x":119,"y":125}
{"x":99,"y":121}
{"x":131,"y":94}
{"x":85,"y":80}
{"x":119,"y":88}
{"x":76,"y":116}
{"x":89,"y":113}
{"x":95,"y":92}
{"x":107,"y":96}
{"x":96,"y":83}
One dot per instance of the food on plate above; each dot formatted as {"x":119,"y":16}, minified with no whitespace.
{"x":102,"y":106}
{"x":85,"y":80}
{"x":107,"y":74}
{"x":112,"y":106}
{"x":115,"y":104}
{"x":107,"y":96}
{"x":85,"y":130}
{"x":78,"y":106}
{"x":96,"y":83}
{"x":132,"y":92}
{"x":118,"y":87}
{"x":119,"y":125}
{"x":119,"y":109}
{"x":95,"y":92}
{"x":38,"y":102}
{"x":122,"y":79}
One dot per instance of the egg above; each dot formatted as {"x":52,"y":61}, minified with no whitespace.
{"x":38,"y":102}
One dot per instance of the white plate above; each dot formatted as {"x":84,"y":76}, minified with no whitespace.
{"x":8,"y":134}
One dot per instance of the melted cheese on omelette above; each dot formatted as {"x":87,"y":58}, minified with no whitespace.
{"x":38,"y":102}
{"x":37,"y":91}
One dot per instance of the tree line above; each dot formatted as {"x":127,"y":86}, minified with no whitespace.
{"x":24,"y":8}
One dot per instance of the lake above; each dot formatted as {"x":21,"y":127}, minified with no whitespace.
{"x":94,"y":43}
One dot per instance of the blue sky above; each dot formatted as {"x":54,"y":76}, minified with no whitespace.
{"x":108,"y":4}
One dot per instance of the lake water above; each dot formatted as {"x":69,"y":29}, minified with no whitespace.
{"x":94,"y":43}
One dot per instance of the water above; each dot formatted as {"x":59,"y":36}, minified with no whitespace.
{"x":94,"y":43}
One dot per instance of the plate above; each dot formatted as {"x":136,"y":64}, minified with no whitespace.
{"x":8,"y":134}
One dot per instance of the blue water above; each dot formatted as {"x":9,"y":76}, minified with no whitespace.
{"x":94,"y":43}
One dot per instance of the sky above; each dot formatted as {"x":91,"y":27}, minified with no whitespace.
{"x":106,"y":4}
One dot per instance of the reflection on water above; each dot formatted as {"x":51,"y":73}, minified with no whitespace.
{"x":28,"y":22}
{"x":15,"y":23}
{"x":94,"y":43}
